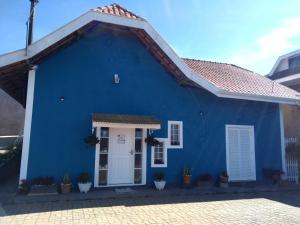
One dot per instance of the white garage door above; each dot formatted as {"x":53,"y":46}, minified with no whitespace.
{"x":240,"y":153}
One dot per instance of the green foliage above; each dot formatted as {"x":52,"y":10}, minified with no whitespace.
{"x":187,"y":171}
{"x":91,"y":140}
{"x":66,"y":179}
{"x":84,"y":178}
{"x":23,"y":187}
{"x":23,"y":184}
{"x":13,"y":152}
{"x":224,"y":177}
{"x":152,"y":141}
{"x":159,"y":176}
{"x":293,"y":150}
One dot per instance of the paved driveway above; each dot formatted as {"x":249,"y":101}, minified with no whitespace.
{"x":272,"y":208}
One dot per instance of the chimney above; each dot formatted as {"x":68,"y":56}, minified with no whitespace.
{"x":31,"y":21}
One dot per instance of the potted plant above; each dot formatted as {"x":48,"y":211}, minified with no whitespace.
{"x":43,"y":185}
{"x":91,"y":140}
{"x":224,"y":178}
{"x":205,"y":180}
{"x":23,"y":187}
{"x":152,"y":141}
{"x":48,"y":181}
{"x":84,"y":183}
{"x":159,"y":180}
{"x":187,"y":175}
{"x":273,"y":175}
{"x":66,"y":184}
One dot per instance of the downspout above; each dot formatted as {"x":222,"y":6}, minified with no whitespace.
{"x":282,"y":138}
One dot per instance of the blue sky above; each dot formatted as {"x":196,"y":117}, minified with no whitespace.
{"x":249,"y":33}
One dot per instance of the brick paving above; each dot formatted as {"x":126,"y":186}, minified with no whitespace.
{"x":267,"y":208}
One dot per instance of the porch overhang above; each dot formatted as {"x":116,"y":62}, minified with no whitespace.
{"x":125,"y":121}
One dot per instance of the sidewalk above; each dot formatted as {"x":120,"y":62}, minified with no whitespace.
{"x":143,"y":192}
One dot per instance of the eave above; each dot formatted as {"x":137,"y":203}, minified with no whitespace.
{"x":14,"y":66}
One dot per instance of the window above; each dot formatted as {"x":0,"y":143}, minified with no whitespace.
{"x":175,"y":134}
{"x":294,"y":62}
{"x":103,"y":157}
{"x":159,"y":154}
{"x":138,"y":156}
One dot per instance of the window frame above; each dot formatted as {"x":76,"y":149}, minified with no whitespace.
{"x":141,"y":153}
{"x":293,"y":64}
{"x":180,"y":123}
{"x":165,"y":154}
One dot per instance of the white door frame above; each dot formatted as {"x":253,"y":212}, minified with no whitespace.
{"x":227,"y":126}
{"x":144,"y":161}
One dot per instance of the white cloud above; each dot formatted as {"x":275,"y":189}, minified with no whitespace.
{"x":268,"y":47}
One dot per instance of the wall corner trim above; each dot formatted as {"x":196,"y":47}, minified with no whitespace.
{"x":282,"y":138}
{"x":27,"y":123}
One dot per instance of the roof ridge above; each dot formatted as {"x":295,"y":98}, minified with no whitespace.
{"x":229,"y":64}
{"x":116,"y":10}
{"x":203,"y":60}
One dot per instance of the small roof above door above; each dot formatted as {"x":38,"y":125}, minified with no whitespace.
{"x":126,"y":121}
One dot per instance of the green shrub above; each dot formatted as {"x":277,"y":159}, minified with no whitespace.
{"x":84,"y":177}
{"x":13,"y":152}
{"x":159,"y":176}
{"x":66,"y":179}
{"x":187,"y":171}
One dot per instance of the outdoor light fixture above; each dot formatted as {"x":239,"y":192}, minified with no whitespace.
{"x":62,"y":98}
{"x":116,"y":79}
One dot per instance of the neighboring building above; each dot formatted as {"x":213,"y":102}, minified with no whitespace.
{"x":11,"y":116}
{"x":108,"y":71}
{"x":287,"y":72}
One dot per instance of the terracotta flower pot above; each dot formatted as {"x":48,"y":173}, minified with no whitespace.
{"x":187,"y":179}
{"x":65,"y":188}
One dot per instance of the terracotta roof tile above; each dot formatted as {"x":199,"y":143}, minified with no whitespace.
{"x":238,"y":80}
{"x":116,"y":10}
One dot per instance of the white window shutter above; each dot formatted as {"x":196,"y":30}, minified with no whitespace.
{"x":240,"y":153}
{"x":245,"y":154}
{"x":233,"y":156}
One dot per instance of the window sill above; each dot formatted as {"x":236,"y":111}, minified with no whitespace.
{"x":159,"y":165}
{"x":174,"y":146}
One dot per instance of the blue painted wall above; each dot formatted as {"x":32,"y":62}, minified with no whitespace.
{"x":83,"y":72}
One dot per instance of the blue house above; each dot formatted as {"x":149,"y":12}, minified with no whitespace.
{"x":109,"y":73}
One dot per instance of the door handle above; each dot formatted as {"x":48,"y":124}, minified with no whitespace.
{"x":131,"y":152}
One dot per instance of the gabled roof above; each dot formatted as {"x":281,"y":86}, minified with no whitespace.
{"x":282,"y":57}
{"x":238,"y":80}
{"x":223,"y":80}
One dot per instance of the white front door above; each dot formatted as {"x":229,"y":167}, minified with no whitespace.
{"x":120,"y":160}
{"x":240,"y":153}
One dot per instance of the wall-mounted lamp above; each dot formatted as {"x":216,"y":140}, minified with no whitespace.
{"x":62,"y":98}
{"x":116,"y":79}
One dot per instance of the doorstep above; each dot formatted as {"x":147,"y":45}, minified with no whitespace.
{"x":145,"y":192}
